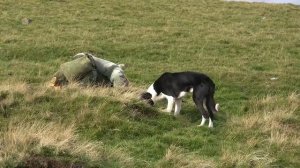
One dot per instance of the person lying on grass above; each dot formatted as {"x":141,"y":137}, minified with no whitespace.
{"x":87,"y":69}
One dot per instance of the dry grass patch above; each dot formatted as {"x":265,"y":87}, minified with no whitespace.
{"x":268,"y":116}
{"x":18,"y":87}
{"x":178,"y":158}
{"x":6,"y":100}
{"x":245,"y":158}
{"x":122,"y":94}
{"x":7,"y":96}
{"x":270,"y":121}
{"x":30,"y":92}
{"x":20,"y":140}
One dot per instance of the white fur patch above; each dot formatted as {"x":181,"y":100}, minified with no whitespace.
{"x":182,"y":94}
{"x":154,"y":95}
{"x":178,"y":103}
{"x":122,"y":66}
{"x":217,"y":107}
{"x":152,"y":91}
{"x":204,"y":105}
{"x":171,"y":102}
{"x":202,"y":121}
{"x":79,"y":54}
{"x":210,"y":125}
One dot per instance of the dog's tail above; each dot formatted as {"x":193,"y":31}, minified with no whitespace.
{"x":211,"y":104}
{"x":214,"y":107}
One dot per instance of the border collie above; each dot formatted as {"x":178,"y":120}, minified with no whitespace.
{"x":174,"y":86}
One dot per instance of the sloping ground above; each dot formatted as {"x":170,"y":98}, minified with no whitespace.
{"x":42,"y":126}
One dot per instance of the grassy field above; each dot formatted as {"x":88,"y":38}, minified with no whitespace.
{"x":241,"y":46}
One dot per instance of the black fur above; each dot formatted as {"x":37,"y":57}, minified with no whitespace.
{"x":147,"y":96}
{"x":172,"y":84}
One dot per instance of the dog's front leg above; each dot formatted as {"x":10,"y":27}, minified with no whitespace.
{"x":178,"y":103}
{"x":171,"y":101}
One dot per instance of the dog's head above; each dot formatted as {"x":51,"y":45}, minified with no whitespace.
{"x":151,"y":95}
{"x":146,"y":96}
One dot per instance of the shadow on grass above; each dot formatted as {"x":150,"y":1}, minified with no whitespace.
{"x":48,"y":162}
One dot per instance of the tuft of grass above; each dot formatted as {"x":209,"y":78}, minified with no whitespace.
{"x":21,"y":140}
{"x":178,"y":158}
{"x":246,"y":159}
{"x":119,"y":94}
{"x":18,"y":87}
{"x":6,"y":100}
{"x":265,"y":125}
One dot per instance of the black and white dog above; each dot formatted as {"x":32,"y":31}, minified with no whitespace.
{"x":174,"y":86}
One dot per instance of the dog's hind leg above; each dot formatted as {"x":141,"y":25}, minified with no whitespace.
{"x":211,"y":104}
{"x":210,"y":110}
{"x":202,"y":121}
{"x":204,"y":113}
{"x":199,"y":95}
{"x":178,"y":103}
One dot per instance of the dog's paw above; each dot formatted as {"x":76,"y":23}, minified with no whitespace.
{"x":165,"y":110}
{"x":176,"y":114}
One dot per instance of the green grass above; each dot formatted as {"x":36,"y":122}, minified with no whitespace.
{"x":241,"y":46}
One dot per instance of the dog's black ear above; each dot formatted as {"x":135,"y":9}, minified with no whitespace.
{"x":146,"y":96}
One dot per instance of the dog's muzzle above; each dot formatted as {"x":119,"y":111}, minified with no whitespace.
{"x":147,"y":98}
{"x":150,"y":102}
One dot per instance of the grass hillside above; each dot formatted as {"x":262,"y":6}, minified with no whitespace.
{"x":251,"y":51}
